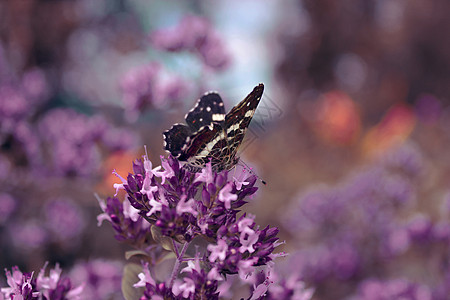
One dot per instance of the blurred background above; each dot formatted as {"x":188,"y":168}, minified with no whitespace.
{"x":352,"y":135}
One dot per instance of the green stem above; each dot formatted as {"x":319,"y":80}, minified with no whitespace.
{"x":177,"y":266}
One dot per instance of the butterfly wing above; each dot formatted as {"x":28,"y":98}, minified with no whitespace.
{"x":175,"y":138}
{"x":208,"y":109}
{"x":238,"y":119}
{"x":211,"y":135}
{"x":203,"y":146}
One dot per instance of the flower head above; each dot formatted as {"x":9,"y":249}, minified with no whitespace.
{"x":24,"y":286}
{"x":180,"y":206}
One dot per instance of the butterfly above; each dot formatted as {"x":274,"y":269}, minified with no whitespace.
{"x":210,"y":134}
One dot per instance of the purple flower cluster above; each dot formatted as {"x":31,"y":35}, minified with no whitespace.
{"x":72,"y":141}
{"x":24,"y":286}
{"x":56,"y":130}
{"x":358,"y":229}
{"x":181,"y":210}
{"x":63,"y":142}
{"x":194,"y":34}
{"x":373,"y":289}
{"x":21,"y":97}
{"x":273,"y":286}
{"x":126,"y":222}
{"x":48,"y":148}
{"x":7,"y":207}
{"x":101,"y":279}
{"x":57,"y":140}
{"x":61,"y":221}
{"x":143,"y":87}
{"x":64,"y":219}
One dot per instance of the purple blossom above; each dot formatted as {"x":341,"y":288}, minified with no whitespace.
{"x":185,"y":288}
{"x":19,"y":285}
{"x":71,"y":137}
{"x":55,"y":287}
{"x":14,"y":104}
{"x":100,"y":278}
{"x":420,"y":228}
{"x":145,"y":277}
{"x":441,"y":231}
{"x":35,"y":85}
{"x":270,"y":284}
{"x":196,"y":35}
{"x":161,"y":203}
{"x":138,"y":88}
{"x":172,"y":90}
{"x":24,"y":143}
{"x":143,"y":87}
{"x":28,"y":235}
{"x":197,"y":282}
{"x":407,"y":159}
{"x":373,"y":289}
{"x":20,"y":98}
{"x":241,"y":180}
{"x":180,"y":206}
{"x":398,"y":241}
{"x":127,"y":225}
{"x":7,"y":206}
{"x":226,"y":196}
{"x":64,"y":219}
{"x":218,"y":251}
{"x":356,"y":230}
{"x":184,"y":206}
{"x":71,"y":140}
{"x":116,"y":139}
{"x":24,"y":286}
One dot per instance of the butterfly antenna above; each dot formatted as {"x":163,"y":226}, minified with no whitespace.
{"x":251,"y":171}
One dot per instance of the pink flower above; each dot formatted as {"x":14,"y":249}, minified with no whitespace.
{"x":226,"y":196}
{"x":218,"y":251}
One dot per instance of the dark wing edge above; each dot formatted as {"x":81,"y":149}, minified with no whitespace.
{"x":239,"y":118}
{"x":248,"y":104}
{"x":175,"y":138}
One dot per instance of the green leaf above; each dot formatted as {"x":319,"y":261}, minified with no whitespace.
{"x":167,"y":243}
{"x":167,"y":256}
{"x":130,"y":277}
{"x":131,"y":253}
{"x":156,"y":233}
{"x":164,"y":241}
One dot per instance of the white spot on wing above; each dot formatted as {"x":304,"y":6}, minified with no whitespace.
{"x":249,"y":113}
{"x":233,"y":127}
{"x":218,"y":117}
{"x":209,"y":146}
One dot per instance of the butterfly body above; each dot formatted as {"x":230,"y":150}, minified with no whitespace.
{"x":210,"y":134}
